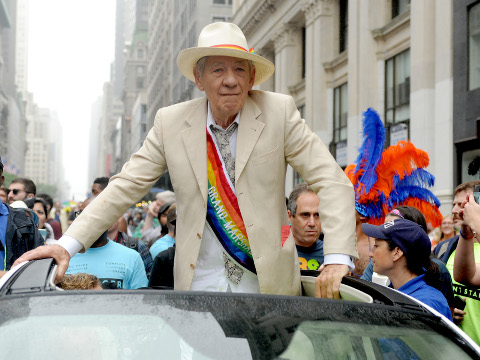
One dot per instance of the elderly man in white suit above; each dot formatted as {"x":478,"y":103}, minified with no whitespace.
{"x":227,"y":155}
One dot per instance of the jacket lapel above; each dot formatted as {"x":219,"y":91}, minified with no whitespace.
{"x":249,"y":130}
{"x":195,"y":141}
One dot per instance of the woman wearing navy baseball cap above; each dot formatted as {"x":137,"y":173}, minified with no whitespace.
{"x":402,"y":252}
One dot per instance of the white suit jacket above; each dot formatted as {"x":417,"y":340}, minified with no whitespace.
{"x":271,"y":134}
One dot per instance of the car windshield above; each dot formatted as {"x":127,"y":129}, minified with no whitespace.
{"x":146,"y":329}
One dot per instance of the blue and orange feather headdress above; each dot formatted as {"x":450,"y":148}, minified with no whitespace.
{"x":385,"y":179}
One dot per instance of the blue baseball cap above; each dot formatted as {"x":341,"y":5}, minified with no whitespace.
{"x":406,"y":234}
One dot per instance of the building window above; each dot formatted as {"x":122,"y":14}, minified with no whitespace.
{"x":399,"y":7}
{"x":397,"y":97}
{"x":222,"y":2}
{"x":340,"y":113}
{"x":343,"y":25}
{"x":340,"y":117}
{"x":140,"y":70}
{"x":474,"y":47}
{"x":218,"y":19}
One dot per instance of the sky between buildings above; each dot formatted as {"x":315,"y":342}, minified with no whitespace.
{"x":71,"y":47}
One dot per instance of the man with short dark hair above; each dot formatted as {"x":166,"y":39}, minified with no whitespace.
{"x":21,"y":189}
{"x":18,"y":232}
{"x":116,"y":266}
{"x":99,"y":184}
{"x":306,"y":227}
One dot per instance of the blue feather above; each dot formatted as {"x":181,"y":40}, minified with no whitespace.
{"x":401,"y":194}
{"x":418,"y":177}
{"x":370,"y":153}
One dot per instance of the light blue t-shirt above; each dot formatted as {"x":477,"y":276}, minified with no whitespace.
{"x":161,"y":244}
{"x":117,"y":266}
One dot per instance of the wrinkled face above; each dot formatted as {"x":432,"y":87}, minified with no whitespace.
{"x":40,"y":211}
{"x":226,"y":82}
{"x":457,"y":206}
{"x":306,"y":225}
{"x":447,"y":225}
{"x":17,"y":192}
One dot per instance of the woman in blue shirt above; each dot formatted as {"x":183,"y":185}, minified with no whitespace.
{"x":402,"y":252}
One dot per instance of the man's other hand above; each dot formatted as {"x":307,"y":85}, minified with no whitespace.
{"x":327,"y":284}
{"x":61,"y":256}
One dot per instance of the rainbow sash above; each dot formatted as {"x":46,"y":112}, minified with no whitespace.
{"x":223,"y":213}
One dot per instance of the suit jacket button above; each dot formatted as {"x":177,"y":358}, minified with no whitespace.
{"x":199,"y":236}
{"x":192,"y":266}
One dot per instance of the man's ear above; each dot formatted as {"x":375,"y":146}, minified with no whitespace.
{"x":289,"y":215}
{"x":198,"y":79}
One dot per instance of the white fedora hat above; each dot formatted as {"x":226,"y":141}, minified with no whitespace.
{"x":223,"y":39}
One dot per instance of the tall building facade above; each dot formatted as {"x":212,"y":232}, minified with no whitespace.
{"x":338,"y":57}
{"x":466,"y":86}
{"x":12,"y":106}
{"x":173,"y":26}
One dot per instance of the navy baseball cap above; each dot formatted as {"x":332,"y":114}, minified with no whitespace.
{"x":406,"y":234}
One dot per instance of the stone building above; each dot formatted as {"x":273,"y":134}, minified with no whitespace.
{"x":338,"y":57}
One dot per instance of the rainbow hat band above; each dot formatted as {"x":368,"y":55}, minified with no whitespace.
{"x":223,"y":39}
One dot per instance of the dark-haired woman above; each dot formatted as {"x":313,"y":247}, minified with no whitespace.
{"x":401,"y":251}
{"x":39,"y":206}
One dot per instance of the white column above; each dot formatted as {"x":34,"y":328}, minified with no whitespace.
{"x":288,"y":57}
{"x":319,"y":44}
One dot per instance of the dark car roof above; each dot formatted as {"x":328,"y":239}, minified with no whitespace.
{"x":267,"y":322}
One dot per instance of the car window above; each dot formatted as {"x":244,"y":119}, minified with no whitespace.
{"x":333,"y":340}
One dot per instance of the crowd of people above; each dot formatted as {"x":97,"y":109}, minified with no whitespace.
{"x":228,"y":226}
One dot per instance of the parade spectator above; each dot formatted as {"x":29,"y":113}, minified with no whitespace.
{"x":466,"y":319}
{"x":306,"y":227}
{"x":168,"y":239}
{"x":99,"y":184}
{"x":56,"y":226}
{"x":18,"y":232}
{"x":446,"y":231}
{"x":162,"y":272}
{"x":80,"y":281}
{"x":443,"y":283}
{"x":39,"y":206}
{"x":116,"y":266}
{"x":118,"y":236}
{"x":151,"y":228}
{"x":250,"y":138}
{"x":3,"y":194}
{"x":21,"y":189}
{"x":401,"y":251}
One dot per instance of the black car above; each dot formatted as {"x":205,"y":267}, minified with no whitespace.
{"x":40,"y":321}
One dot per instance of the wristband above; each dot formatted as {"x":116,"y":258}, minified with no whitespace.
{"x":465,"y":237}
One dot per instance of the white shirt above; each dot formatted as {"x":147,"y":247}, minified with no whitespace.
{"x":210,"y":270}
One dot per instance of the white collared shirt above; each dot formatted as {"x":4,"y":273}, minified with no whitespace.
{"x":210,"y":269}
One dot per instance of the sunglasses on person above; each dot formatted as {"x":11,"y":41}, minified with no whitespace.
{"x":77,"y":213}
{"x":15,"y":191}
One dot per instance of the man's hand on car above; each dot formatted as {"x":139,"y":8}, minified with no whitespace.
{"x":61,"y":256}
{"x":327,"y":284}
